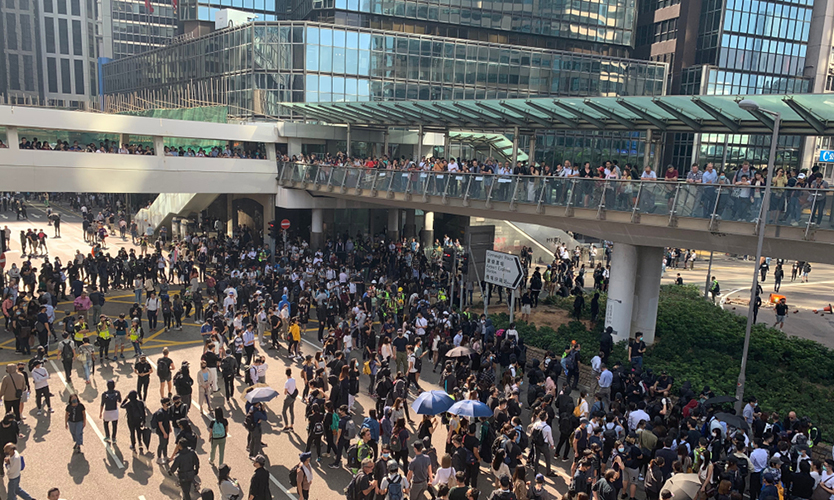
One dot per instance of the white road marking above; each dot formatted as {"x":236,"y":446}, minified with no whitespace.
{"x":141,"y":497}
{"x":36,"y":216}
{"x":89,"y":418}
{"x":4,"y":216}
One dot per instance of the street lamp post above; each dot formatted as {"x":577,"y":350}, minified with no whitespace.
{"x":752,"y":106}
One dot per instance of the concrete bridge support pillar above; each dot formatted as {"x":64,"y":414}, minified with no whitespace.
{"x":410,"y":228}
{"x":293,"y":147}
{"x":12,"y":138}
{"x":158,"y":145}
{"x":317,"y":229}
{"x":427,"y":235}
{"x":393,"y":223}
{"x":633,"y":291}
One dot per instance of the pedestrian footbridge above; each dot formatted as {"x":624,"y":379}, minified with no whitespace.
{"x":641,"y":213}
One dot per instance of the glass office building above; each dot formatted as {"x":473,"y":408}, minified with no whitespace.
{"x":135,"y":29}
{"x":730,"y":47}
{"x":261,"y":65}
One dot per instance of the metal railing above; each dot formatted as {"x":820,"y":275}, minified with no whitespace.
{"x":797,"y":207}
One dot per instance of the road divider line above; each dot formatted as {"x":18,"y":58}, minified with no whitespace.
{"x":155,"y":335}
{"x":90,"y":421}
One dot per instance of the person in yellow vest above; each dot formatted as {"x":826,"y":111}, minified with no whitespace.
{"x":103,"y":328}
{"x":81,"y":330}
{"x":136,"y":334}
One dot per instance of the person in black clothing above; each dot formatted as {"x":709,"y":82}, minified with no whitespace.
{"x":802,"y":484}
{"x":473,"y":444}
{"x":135,"y":409}
{"x":186,"y":466}
{"x":259,"y":485}
{"x":143,"y":370}
{"x":229,"y":368}
{"x":161,"y":421}
{"x":606,"y":340}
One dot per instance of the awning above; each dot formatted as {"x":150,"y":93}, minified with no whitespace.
{"x":499,"y":142}
{"x":803,"y":114}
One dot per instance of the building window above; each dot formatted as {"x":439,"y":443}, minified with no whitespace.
{"x":49,"y":28}
{"x":63,"y":36}
{"x":25,"y":33}
{"x":47,"y":6}
{"x":14,"y":72}
{"x":66,"y":82}
{"x":52,"y":74}
{"x":11,"y":31}
{"x":28,"y":73}
{"x":657,"y":32}
{"x":79,"y":76}
{"x":62,"y":6}
{"x":77,"y":47}
{"x":75,"y":7}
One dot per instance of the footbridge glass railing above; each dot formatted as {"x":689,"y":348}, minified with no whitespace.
{"x":804,"y":206}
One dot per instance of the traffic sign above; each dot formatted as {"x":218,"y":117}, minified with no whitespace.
{"x":285,"y":224}
{"x":503,"y":269}
{"x":2,"y":260}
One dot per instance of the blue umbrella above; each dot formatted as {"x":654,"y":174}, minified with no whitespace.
{"x":261,"y":394}
{"x":432,"y":403}
{"x":470,"y":408}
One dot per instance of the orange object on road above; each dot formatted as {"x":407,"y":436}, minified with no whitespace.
{"x":774,"y":298}
{"x":826,"y":309}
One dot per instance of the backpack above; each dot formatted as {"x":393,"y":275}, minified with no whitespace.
{"x":498,"y":443}
{"x":163,"y":369}
{"x":571,"y":363}
{"x":395,"y":488}
{"x":743,"y":467}
{"x":537,"y":436}
{"x":318,"y":429}
{"x":350,"y":429}
{"x":351,"y":491}
{"x":470,"y":457}
{"x":249,"y":421}
{"x":294,"y":476}
{"x":218,"y":430}
{"x":66,"y":351}
{"x":396,"y":442}
{"x":353,"y":456}
{"x":155,"y":421}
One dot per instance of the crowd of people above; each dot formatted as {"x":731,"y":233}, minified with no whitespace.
{"x":739,"y":198}
{"x":382,"y":316}
{"x":113,"y":147}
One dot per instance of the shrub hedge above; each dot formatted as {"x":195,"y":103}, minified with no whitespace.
{"x":702,"y":343}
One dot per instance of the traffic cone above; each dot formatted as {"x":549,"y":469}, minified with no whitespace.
{"x":826,"y":309}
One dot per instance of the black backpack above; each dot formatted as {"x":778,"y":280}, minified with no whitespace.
{"x":294,"y":476}
{"x":537,"y":437}
{"x":163,"y":368}
{"x":66,"y":351}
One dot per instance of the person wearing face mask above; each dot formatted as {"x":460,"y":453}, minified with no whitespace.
{"x":380,"y":471}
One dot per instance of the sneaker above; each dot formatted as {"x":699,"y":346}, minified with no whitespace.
{"x":115,"y":358}
{"x":131,"y":447}
{"x":335,"y":465}
{"x":39,"y":412}
{"x":122,"y":356}
{"x":640,"y":478}
{"x":141,"y":450}
{"x":51,"y":410}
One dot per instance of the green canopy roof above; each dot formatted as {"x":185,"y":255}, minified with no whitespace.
{"x":499,"y":143}
{"x":803,"y":114}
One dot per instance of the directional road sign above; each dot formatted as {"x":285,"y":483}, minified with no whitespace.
{"x":285,"y":224}
{"x":503,"y":269}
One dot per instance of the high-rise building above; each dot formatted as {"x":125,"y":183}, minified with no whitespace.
{"x":128,"y":27}
{"x":732,"y":47}
{"x":20,"y":73}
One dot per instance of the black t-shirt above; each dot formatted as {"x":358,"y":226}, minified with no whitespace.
{"x":143,"y":367}
{"x":164,"y":366}
{"x":76,"y":412}
{"x":513,"y":451}
{"x":400,"y":343}
{"x":363,"y":483}
{"x":781,"y":309}
{"x":637,"y":347}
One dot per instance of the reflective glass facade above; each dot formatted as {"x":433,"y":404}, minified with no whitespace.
{"x":136,"y":30}
{"x":204,"y":10}
{"x":597,"y":21}
{"x":261,"y":65}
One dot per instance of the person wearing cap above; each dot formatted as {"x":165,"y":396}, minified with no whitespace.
{"x":186,"y":465}
{"x":769,"y":490}
{"x":394,"y":482}
{"x":103,"y":329}
{"x":80,"y":330}
{"x":304,"y":476}
{"x":229,"y":487}
{"x":259,"y":484}
{"x":136,"y":335}
{"x":120,"y":337}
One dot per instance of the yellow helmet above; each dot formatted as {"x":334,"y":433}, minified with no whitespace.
{"x":400,"y":289}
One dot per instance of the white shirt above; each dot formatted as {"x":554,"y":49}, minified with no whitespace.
{"x":289,"y":385}
{"x":421,"y":324}
{"x":40,"y":377}
{"x":635,"y":417}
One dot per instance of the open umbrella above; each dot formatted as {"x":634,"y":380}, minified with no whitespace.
{"x":432,"y":403}
{"x":683,"y":486}
{"x":470,"y":408}
{"x":717,"y":400}
{"x":733,"y":420}
{"x":261,"y":395}
{"x":459,"y":352}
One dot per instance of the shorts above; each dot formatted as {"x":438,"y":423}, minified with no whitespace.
{"x":165,"y":378}
{"x":780,"y":319}
{"x":525,"y":309}
{"x":631,"y":475}
{"x":120,"y":340}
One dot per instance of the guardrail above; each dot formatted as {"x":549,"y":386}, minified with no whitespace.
{"x":810,"y":208}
